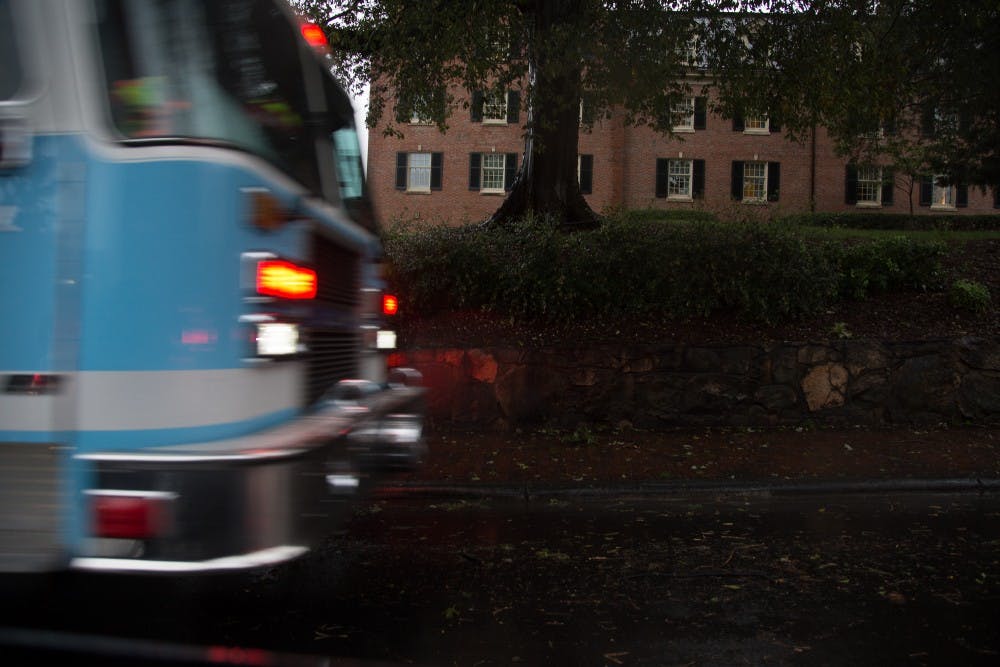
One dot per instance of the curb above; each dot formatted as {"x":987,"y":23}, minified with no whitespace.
{"x":532,"y":491}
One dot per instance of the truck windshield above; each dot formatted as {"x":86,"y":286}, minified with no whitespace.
{"x":10,"y":66}
{"x":225,"y":71}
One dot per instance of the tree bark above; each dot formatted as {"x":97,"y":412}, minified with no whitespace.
{"x":547,"y":181}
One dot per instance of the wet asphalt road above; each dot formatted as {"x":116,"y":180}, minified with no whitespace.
{"x":903,"y":579}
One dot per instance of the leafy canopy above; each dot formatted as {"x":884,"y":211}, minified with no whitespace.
{"x":635,"y":55}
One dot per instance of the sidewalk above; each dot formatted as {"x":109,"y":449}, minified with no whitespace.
{"x":626,"y":461}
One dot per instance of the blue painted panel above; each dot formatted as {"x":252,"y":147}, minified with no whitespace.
{"x":162,"y":258}
{"x":29,"y":215}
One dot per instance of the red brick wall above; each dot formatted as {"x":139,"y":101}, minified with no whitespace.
{"x":624,"y":169}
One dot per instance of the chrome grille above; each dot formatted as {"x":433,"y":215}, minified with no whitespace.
{"x":338,"y":270}
{"x":30,"y":506}
{"x":333,"y":356}
{"x":333,"y":338}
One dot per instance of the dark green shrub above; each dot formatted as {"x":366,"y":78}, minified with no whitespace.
{"x":641,"y":267}
{"x":970,"y":295}
{"x":899,"y":221}
{"x":661,"y":215}
{"x":890,"y":264}
{"x":627,"y":267}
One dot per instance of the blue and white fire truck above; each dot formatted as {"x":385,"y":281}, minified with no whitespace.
{"x":192,"y":338}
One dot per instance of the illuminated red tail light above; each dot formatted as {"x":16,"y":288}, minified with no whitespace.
{"x":286,"y":280}
{"x":390,"y":304}
{"x":127,"y":517}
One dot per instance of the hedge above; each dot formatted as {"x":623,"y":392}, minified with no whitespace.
{"x":630,"y":266}
{"x":900,"y":221}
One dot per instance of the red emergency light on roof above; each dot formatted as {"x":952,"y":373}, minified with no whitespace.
{"x":280,"y":278}
{"x":314,"y":35}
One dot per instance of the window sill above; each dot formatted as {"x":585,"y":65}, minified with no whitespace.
{"x":942,"y":207}
{"x":868,"y":204}
{"x":493,"y":193}
{"x":759,"y":133}
{"x":754,"y":202}
{"x":494,"y":121}
{"x":680,"y":198}
{"x":683,"y":130}
{"x":418,"y":192}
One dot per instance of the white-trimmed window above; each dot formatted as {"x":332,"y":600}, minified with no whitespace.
{"x":679,"y":177}
{"x":690,"y":54}
{"x":419,"y":117}
{"x":418,"y":178}
{"x":494,"y":107}
{"x":492,"y":172}
{"x":869,"y":192}
{"x":682,"y":114}
{"x":868,"y":185}
{"x":942,"y":196}
{"x":756,"y":125}
{"x":754,"y":181}
{"x":419,"y":171}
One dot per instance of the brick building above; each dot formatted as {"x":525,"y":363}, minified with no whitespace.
{"x":713,"y":164}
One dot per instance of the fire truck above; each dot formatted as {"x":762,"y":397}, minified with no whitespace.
{"x":193,"y":371}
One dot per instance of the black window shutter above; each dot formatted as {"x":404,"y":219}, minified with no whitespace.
{"x":698,"y":179}
{"x":773,"y":180}
{"x":586,"y":174}
{"x":738,"y":123}
{"x":888,"y":186}
{"x":774,"y":124}
{"x":889,"y":126}
{"x":437,"y":168}
{"x":661,"y":177}
{"x":476,"y":110}
{"x":926,"y":191}
{"x":509,"y":170}
{"x":474,"y":161}
{"x":737,"y":182}
{"x":400,"y":171}
{"x":961,"y":196}
{"x":850,"y":184}
{"x":700,"y":112}
{"x":996,"y":196}
{"x":513,"y":106}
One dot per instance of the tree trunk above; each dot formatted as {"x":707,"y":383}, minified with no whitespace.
{"x":547,"y":182}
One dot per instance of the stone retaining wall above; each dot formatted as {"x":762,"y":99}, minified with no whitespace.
{"x":836,"y":383}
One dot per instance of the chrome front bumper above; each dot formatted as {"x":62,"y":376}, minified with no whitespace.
{"x":264,"y":498}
